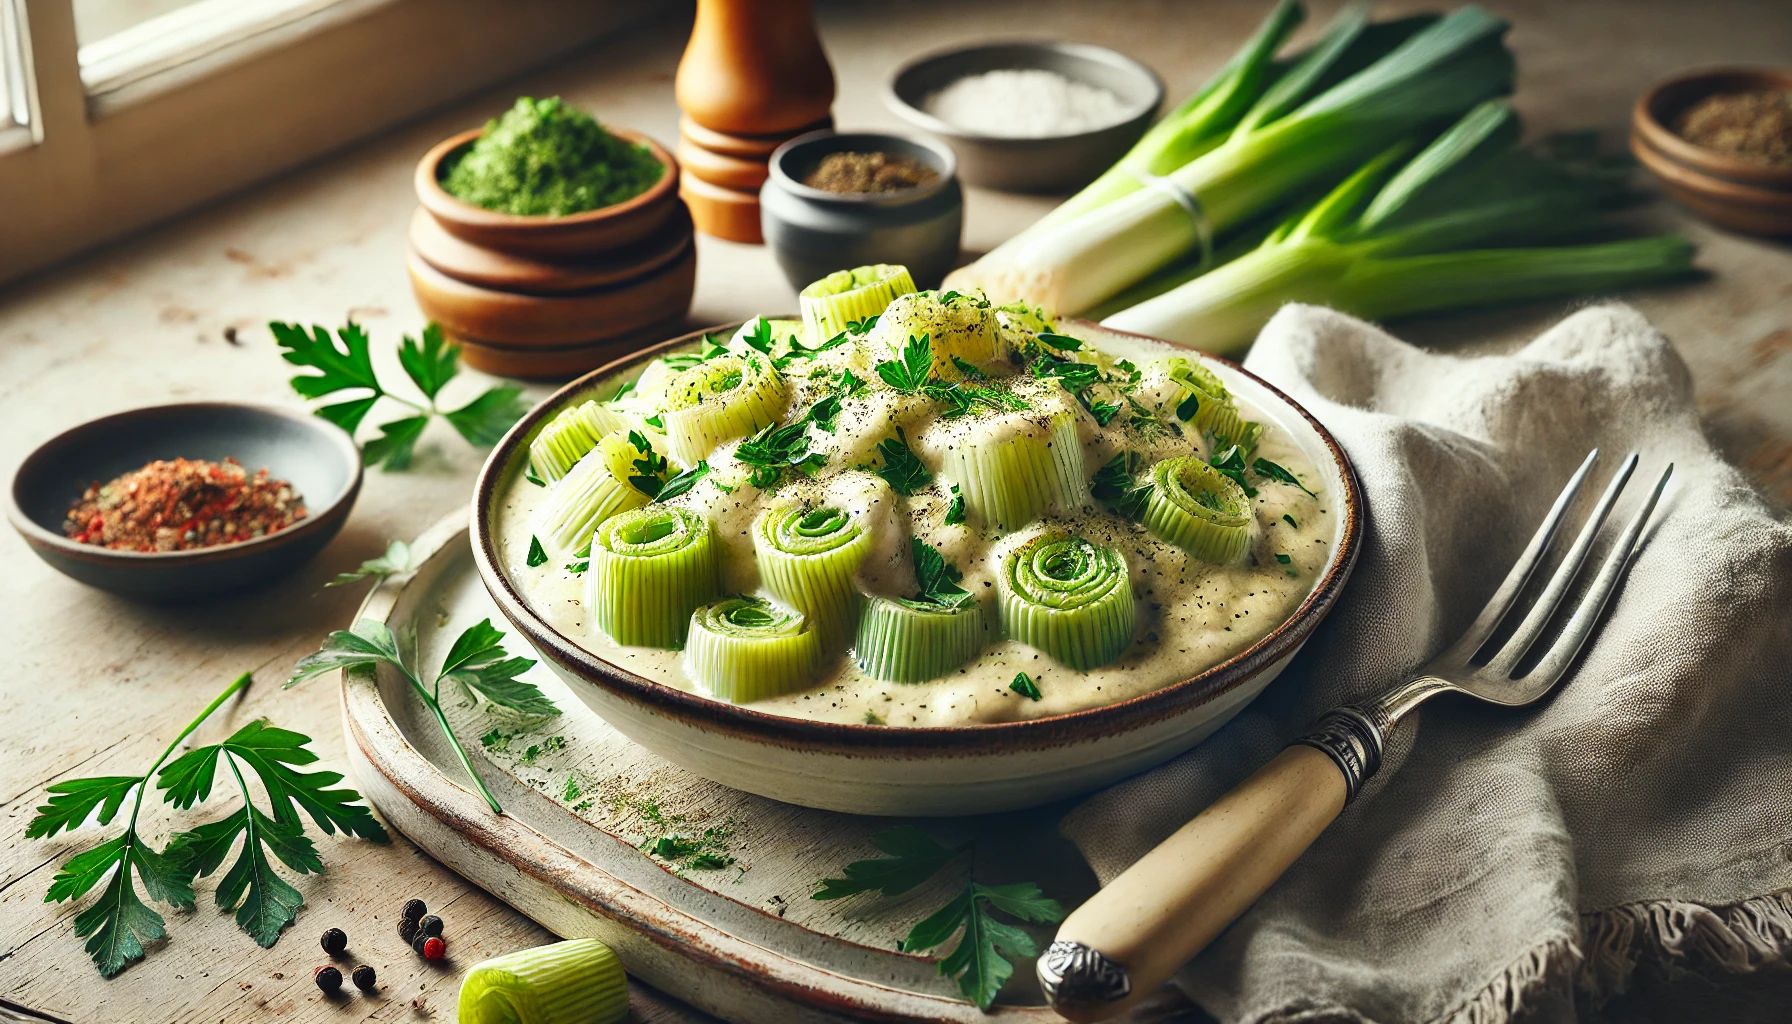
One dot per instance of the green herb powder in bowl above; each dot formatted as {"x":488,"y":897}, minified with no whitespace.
{"x":545,"y":158}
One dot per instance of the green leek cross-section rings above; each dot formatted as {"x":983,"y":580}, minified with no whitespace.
{"x":568,"y":436}
{"x":596,"y":488}
{"x":650,"y":568}
{"x":1198,"y":509}
{"x":718,"y":400}
{"x":746,"y":649}
{"x":1009,"y":481}
{"x":850,"y":296}
{"x":906,"y":641}
{"x":1215,"y":411}
{"x":1068,"y":597}
{"x":807,"y":557}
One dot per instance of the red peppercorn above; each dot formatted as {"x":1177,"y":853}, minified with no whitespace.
{"x":433,"y":949}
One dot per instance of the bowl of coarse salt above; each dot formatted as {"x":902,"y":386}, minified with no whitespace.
{"x":1029,"y":117}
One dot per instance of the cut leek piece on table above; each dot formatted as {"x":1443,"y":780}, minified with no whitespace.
{"x":1012,"y":467}
{"x":747,"y":648}
{"x":1068,"y":597}
{"x":568,"y":436}
{"x":621,"y":472}
{"x":649,"y":569}
{"x":807,"y":557}
{"x":1198,"y":509}
{"x":848,"y":297}
{"x":578,"y":981}
{"x":718,"y":400}
{"x":911,"y":641}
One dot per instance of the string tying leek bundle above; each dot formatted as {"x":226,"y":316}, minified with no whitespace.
{"x":746,"y":648}
{"x":1354,"y":93}
{"x":807,"y":557}
{"x":1068,"y":597}
{"x":1406,"y":234}
{"x":649,"y":569}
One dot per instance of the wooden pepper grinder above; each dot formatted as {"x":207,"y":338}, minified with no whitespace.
{"x":753,"y":75}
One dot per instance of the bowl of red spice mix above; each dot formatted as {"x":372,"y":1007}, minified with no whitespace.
{"x":1720,"y":143}
{"x":180,"y":502}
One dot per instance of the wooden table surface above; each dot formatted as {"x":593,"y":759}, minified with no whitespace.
{"x":96,"y":685}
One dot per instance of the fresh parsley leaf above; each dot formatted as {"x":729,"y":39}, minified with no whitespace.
{"x":1284,"y":559}
{"x":774,"y":448}
{"x":955,"y":509}
{"x":1286,"y":518}
{"x":431,"y":364}
{"x":348,"y":415}
{"x":824,"y":412}
{"x":1188,"y":408}
{"x":484,"y":420}
{"x":267,"y":902}
{"x":1230,"y":462}
{"x":970,"y":370}
{"x":1104,"y":411}
{"x":1271,"y":471}
{"x":350,"y":366}
{"x":72,"y":801}
{"x":937,"y":577}
{"x":901,"y":468}
{"x":851,"y":384}
{"x":862,"y":327}
{"x":1058,"y":341}
{"x":683,"y":482}
{"x":395,"y":444}
{"x":533,"y":477}
{"x":537,"y":556}
{"x":118,"y":923}
{"x":475,"y":662}
{"x":1118,"y":486}
{"x":912,"y":857}
{"x":397,"y":559}
{"x":1025,"y":686}
{"x":798,"y":350}
{"x":910,"y":371}
{"x":650,"y":469}
{"x":758,"y":335}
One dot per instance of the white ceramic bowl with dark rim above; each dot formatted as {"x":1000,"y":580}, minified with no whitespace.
{"x":1052,"y":163}
{"x":892,"y":770}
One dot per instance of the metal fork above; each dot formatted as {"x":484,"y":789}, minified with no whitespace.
{"x":1132,"y":935}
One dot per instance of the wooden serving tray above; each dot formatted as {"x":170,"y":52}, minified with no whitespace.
{"x":745,"y":942}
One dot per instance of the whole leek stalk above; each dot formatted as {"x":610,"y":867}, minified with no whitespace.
{"x":1303,"y":131}
{"x":1413,"y":233}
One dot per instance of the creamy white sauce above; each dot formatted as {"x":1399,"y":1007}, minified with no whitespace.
{"x":1191,"y":615}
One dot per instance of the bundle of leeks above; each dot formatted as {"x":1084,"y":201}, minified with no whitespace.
{"x":1268,"y":134}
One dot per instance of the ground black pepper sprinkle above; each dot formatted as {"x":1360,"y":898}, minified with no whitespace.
{"x":868,"y":172}
{"x":1751,"y":126}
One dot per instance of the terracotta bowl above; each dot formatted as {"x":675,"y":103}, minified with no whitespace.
{"x":318,"y":458}
{"x":888,"y":770}
{"x":1729,"y":192}
{"x":530,"y":275}
{"x":575,"y":235}
{"x":518,"y":320}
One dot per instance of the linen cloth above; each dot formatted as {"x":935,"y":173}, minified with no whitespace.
{"x":1511,"y":864}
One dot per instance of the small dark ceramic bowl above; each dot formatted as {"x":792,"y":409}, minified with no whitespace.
{"x":1056,"y":163}
{"x":318,"y":458}
{"x":813,"y":232}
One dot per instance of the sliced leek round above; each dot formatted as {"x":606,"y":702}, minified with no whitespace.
{"x":907,"y":641}
{"x":569,"y":435}
{"x":962,"y":326}
{"x":1215,"y":411}
{"x":807,"y":557}
{"x":746,"y":648}
{"x":850,"y":296}
{"x":1069,"y":598}
{"x":1012,"y":468}
{"x":579,"y":981}
{"x":1198,"y":509}
{"x":718,"y":400}
{"x":649,"y":569}
{"x":596,"y":487}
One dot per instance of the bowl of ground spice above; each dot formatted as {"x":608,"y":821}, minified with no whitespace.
{"x":1720,"y":142}
{"x":179,"y":502}
{"x":852,"y":199}
{"x":1029,"y":117}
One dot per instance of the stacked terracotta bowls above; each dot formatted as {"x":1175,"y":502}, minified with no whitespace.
{"x":753,"y":76}
{"x":539,"y":296}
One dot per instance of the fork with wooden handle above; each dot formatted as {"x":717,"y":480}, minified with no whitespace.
{"x":1138,"y":930}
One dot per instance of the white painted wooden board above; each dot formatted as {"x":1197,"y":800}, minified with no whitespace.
{"x":744,"y":942}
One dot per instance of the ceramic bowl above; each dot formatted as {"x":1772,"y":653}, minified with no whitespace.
{"x":577,"y":235}
{"x":868,"y":769}
{"x":1729,"y":192}
{"x":1058,"y":163}
{"x":813,"y":232}
{"x":318,"y":458}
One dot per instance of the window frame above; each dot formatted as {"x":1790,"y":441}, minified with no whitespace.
{"x":134,"y":138}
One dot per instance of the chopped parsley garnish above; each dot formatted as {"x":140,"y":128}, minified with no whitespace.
{"x":759,"y":336}
{"x":774,"y":448}
{"x":970,"y":370}
{"x":536,"y":555}
{"x":1025,"y":686}
{"x":938,"y":578}
{"x":902,"y":469}
{"x":650,"y":468}
{"x":823,"y":412}
{"x":1188,"y":408}
{"x":909,"y":372}
{"x":1058,"y":341}
{"x":1286,"y":518}
{"x":533,"y":477}
{"x":1117,"y":485}
{"x":1271,"y":471}
{"x":1104,"y":411}
{"x":683,"y":482}
{"x":851,"y":384}
{"x":955,"y":509}
{"x":1230,"y":462}
{"x":1284,"y":559}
